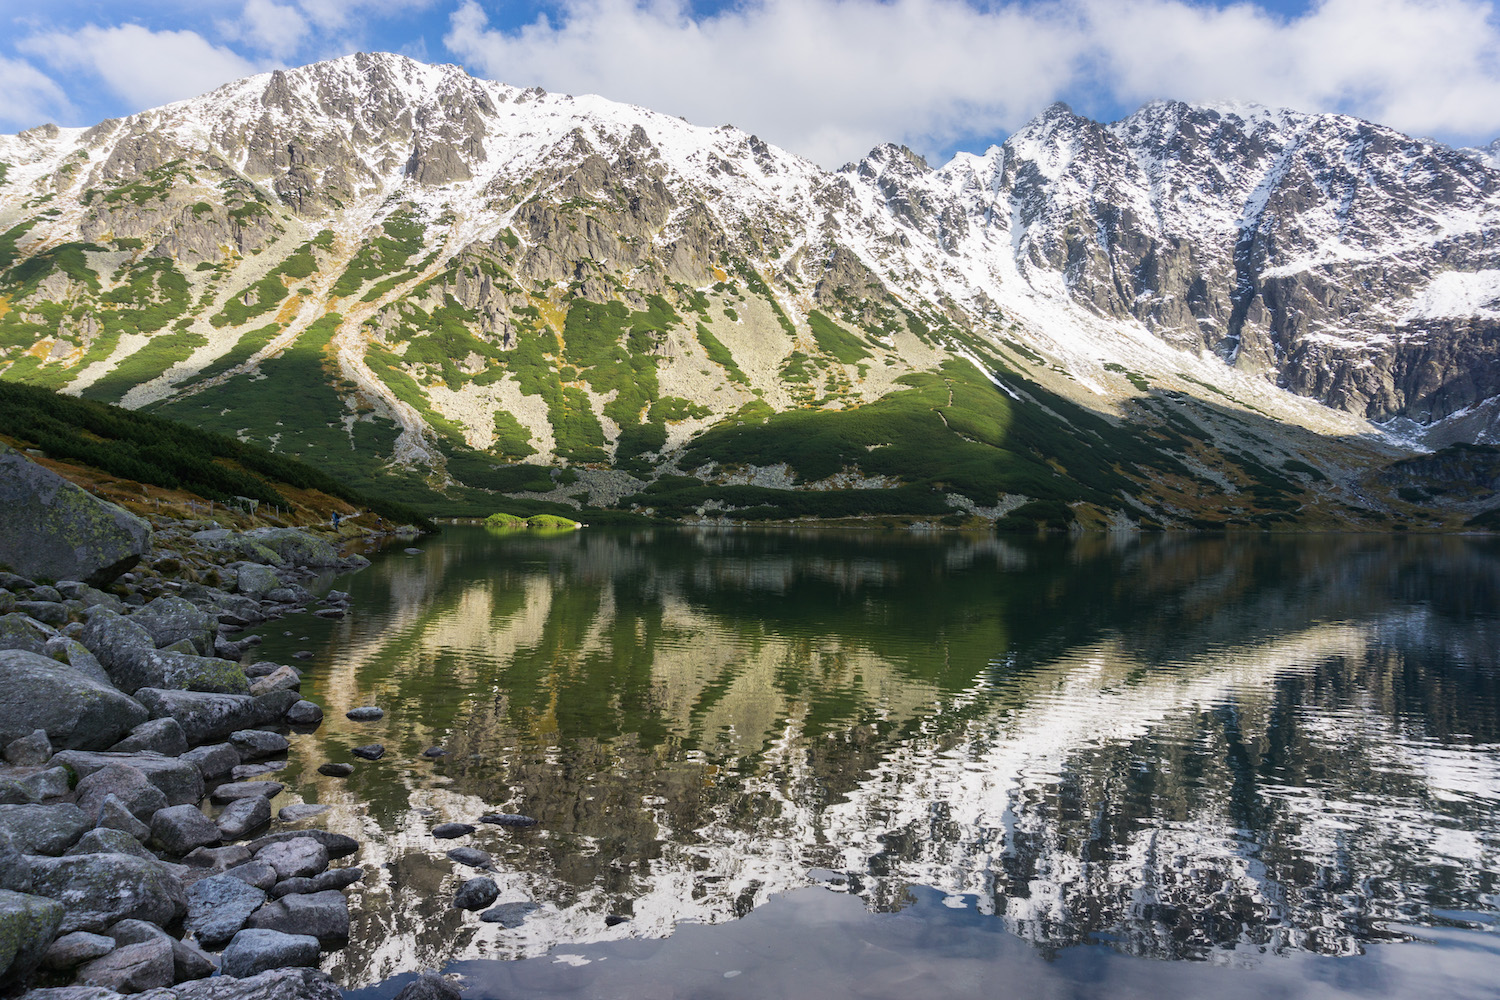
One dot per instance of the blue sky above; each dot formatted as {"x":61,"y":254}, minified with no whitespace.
{"x":824,"y":78}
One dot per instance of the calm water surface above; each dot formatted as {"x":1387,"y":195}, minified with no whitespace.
{"x":827,"y":763}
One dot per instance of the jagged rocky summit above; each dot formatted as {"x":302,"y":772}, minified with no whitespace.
{"x":454,"y":275}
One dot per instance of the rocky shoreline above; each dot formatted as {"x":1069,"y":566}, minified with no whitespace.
{"x":138,"y":851}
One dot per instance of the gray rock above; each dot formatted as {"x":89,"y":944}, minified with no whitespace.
{"x":366,"y":713}
{"x":256,"y":580}
{"x":336,"y":844}
{"x":261,"y":668}
{"x":277,"y":984}
{"x":434,"y":752}
{"x":130,"y":931}
{"x":163,"y":736}
{"x":254,"y":950}
{"x":373,"y":751}
{"x":115,"y":815}
{"x":31,"y":750}
{"x":43,"y":829}
{"x":334,"y":769}
{"x":128,"y":784}
{"x":180,"y":780}
{"x":451,"y":831}
{"x":115,"y":640}
{"x":77,"y":590}
{"x":207,"y":716}
{"x":191,"y":962}
{"x":333,"y":878}
{"x":102,"y":840}
{"x":13,"y":793}
{"x":246,"y":790}
{"x":76,"y":711}
{"x":323,"y":915}
{"x":242,"y":816}
{"x":302,"y":856}
{"x":508,"y":914}
{"x":471,"y":856}
{"x":98,"y":890}
{"x":133,"y":968}
{"x":215,"y":760}
{"x":172,"y":619}
{"x":282,"y":679}
{"x":177,"y":668}
{"x":48,"y":784}
{"x":507,"y":819}
{"x":256,"y":873}
{"x":298,"y":811}
{"x":295,"y":547}
{"x":218,"y":906}
{"x":476,"y":893}
{"x":179,"y":829}
{"x":15,"y":868}
{"x":46,"y":612}
{"x":27,"y":926}
{"x":59,"y":531}
{"x":429,"y":986}
{"x":66,"y":649}
{"x":240,"y":772}
{"x":72,"y":950}
{"x":18,"y":631}
{"x":77,"y":993}
{"x":257,"y":744}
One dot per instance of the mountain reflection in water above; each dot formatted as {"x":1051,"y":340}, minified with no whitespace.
{"x":1196,"y":749}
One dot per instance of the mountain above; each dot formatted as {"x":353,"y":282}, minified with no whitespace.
{"x":409,"y":276}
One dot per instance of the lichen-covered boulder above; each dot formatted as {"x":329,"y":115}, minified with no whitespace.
{"x":57,"y":531}
{"x":78,"y":712}
{"x":21,"y":631}
{"x":255,"y":579}
{"x":295,"y":547}
{"x":172,"y":619}
{"x":179,"y":780}
{"x":99,"y":890}
{"x":27,"y":926}
{"x":208,"y":716}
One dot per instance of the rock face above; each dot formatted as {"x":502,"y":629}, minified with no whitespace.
{"x":55,"y":530}
{"x":76,"y":711}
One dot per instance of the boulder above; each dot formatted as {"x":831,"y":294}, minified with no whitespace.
{"x":215,"y":760}
{"x":333,"y":878}
{"x":244,"y":772}
{"x":66,"y":649}
{"x":281,"y":679}
{"x":98,"y":890}
{"x":191,"y":962}
{"x":471,"y":856}
{"x":179,"y":780}
{"x":323,"y":915}
{"x":304,"y":713}
{"x":72,"y":950}
{"x":102,"y":840}
{"x":15,"y":867}
{"x":256,"y":873}
{"x":20,"y":631}
{"x":476,"y":893}
{"x":172,"y":619}
{"x":252,"y":951}
{"x":206,"y":716}
{"x":217,"y":860}
{"x":43,"y":829}
{"x":246,"y":790}
{"x":277,"y":984}
{"x":130,"y":785}
{"x":48,"y":784}
{"x":301,"y":856}
{"x":57,"y":531}
{"x":133,"y":968}
{"x":218,"y":906}
{"x":256,"y":580}
{"x":32,"y":750}
{"x":370,"y":751}
{"x":115,"y":640}
{"x":46,"y":612}
{"x":257,"y":744}
{"x":337,"y":845}
{"x":452,"y":831}
{"x":177,"y":669}
{"x":508,"y":914}
{"x":365,"y":713}
{"x":242,"y":816}
{"x":180,"y":829}
{"x":163,"y":736}
{"x":115,"y":815}
{"x":334,"y":769}
{"x":76,"y":711}
{"x":429,"y":986}
{"x":77,"y":590}
{"x":27,"y":926}
{"x":298,"y":811}
{"x":295,"y":547}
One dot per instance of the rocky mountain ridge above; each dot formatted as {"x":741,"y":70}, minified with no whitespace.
{"x":445,"y":275}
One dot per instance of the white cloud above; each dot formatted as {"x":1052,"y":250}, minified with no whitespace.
{"x":829,"y":78}
{"x":276,"y":29}
{"x":146,"y":68}
{"x":28,"y":96}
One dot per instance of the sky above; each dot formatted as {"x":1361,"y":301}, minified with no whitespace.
{"x":827,"y":79}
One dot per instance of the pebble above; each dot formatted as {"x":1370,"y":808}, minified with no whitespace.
{"x":368,"y":713}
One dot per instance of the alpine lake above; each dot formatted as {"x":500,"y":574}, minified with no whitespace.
{"x":829,"y":763}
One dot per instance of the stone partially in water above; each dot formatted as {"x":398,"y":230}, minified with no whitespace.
{"x":257,"y":744}
{"x":507,"y":819}
{"x":304,"y":713}
{"x":367,"y":713}
{"x":372,"y":751}
{"x":323,"y":915}
{"x":476,"y":893}
{"x":242,"y":816}
{"x":451,"y":831}
{"x":429,"y":986}
{"x":246,"y":790}
{"x":472,"y":856}
{"x":508,"y":914}
{"x":298,"y":811}
{"x":218,"y":906}
{"x":252,"y":951}
{"x":336,"y":770}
